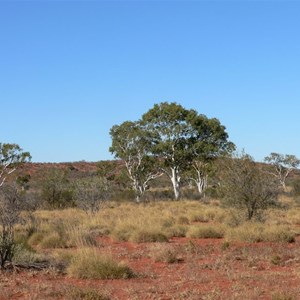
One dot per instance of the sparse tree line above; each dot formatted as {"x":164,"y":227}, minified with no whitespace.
{"x":167,"y":144}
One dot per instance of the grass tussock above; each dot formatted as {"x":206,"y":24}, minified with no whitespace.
{"x":89,"y":264}
{"x":164,"y":253}
{"x":77,"y":293}
{"x":206,"y":231}
{"x":256,"y":232}
{"x":148,"y":236}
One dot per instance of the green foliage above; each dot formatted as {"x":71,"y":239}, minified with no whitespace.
{"x":172,"y":140}
{"x":133,"y":144}
{"x":11,"y":156}
{"x":282,"y":166}
{"x":185,"y":141}
{"x":57,"y":191}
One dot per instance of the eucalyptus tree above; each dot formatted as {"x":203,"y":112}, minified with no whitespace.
{"x":184,"y":141}
{"x":133,"y":144}
{"x":171,"y":129}
{"x":11,"y":156}
{"x":283,"y":165}
{"x":210,"y":140}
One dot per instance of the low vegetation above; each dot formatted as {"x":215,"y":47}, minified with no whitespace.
{"x":87,"y":263}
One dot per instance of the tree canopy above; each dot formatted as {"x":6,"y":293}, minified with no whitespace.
{"x":169,"y":138}
{"x":11,"y":155}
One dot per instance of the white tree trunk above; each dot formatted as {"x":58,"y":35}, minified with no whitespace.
{"x":175,"y":178}
{"x":201,"y":183}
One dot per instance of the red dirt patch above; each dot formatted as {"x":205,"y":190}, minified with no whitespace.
{"x":204,"y":271}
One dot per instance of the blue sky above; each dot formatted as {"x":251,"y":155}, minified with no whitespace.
{"x":70,"y":70}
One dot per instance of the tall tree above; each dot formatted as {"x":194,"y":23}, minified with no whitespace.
{"x":283,"y":165}
{"x":11,"y":156}
{"x":171,"y":129}
{"x":210,"y":140}
{"x":133,"y":144}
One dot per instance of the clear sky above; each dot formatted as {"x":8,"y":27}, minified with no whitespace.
{"x":70,"y":70}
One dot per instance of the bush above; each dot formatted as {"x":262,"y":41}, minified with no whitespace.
{"x":246,"y":186}
{"x":12,"y":201}
{"x":57,"y":191}
{"x":88,"y":264}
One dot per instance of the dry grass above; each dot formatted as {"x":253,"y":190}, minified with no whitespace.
{"x":257,"y":232}
{"x":89,"y":264}
{"x":206,"y":231}
{"x":77,"y":293}
{"x":164,"y":253}
{"x":158,"y":222}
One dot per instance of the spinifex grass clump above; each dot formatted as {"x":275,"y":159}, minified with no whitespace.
{"x":89,"y":264}
{"x":206,"y":231}
{"x":164,"y":253}
{"x":257,"y":232}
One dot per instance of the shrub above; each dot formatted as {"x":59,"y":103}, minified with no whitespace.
{"x":296,"y":187}
{"x":11,"y":204}
{"x":88,"y":264}
{"x":23,"y":255}
{"x":57,"y":191}
{"x":246,"y":186}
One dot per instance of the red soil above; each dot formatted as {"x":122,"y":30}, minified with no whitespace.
{"x":207,"y":269}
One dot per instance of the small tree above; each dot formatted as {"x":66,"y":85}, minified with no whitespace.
{"x":57,"y":192}
{"x":132,"y":144}
{"x":283,"y":165}
{"x":11,"y":156}
{"x":91,"y":193}
{"x":11,"y":205}
{"x":246,"y":186}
